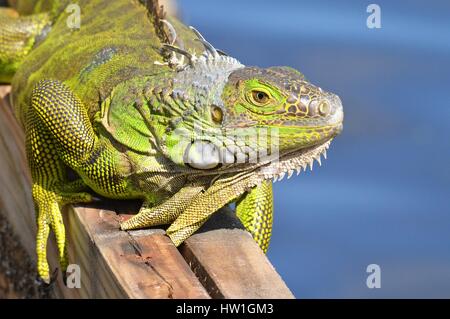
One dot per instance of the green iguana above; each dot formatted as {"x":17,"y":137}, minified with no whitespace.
{"x":140,"y":106}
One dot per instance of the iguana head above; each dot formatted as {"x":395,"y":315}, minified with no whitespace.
{"x":236,"y":117}
{"x":282,"y":100}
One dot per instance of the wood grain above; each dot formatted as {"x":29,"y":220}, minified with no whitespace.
{"x":230,"y":264}
{"x":117,"y":264}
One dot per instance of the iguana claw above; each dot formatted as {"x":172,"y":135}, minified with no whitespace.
{"x":49,"y":217}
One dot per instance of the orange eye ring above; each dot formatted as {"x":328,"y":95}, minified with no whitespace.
{"x":260,"y":97}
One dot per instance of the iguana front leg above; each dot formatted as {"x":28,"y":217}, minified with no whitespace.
{"x":255,"y":210}
{"x":58,"y":133}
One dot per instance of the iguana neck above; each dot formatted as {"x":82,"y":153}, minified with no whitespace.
{"x":177,"y":106}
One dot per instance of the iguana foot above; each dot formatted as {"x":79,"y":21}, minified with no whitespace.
{"x":188,"y":210}
{"x":48,"y":204}
{"x":47,"y":286}
{"x":254,"y":208}
{"x":219,"y":194}
{"x":164,"y":213}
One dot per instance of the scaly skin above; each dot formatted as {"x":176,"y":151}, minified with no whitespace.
{"x":17,"y":36}
{"x":141,"y":107}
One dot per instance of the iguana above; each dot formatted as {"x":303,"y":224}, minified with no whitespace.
{"x":140,"y":106}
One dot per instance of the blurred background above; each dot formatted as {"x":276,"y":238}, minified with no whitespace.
{"x":383,"y":195}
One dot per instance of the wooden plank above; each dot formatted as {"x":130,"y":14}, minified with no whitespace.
{"x":229,"y":262}
{"x":135,"y":264}
{"x":15,"y":179}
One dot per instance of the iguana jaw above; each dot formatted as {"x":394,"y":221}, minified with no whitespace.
{"x":294,"y":161}
{"x":245,"y":178}
{"x":274,"y":168}
{"x":288,"y":163}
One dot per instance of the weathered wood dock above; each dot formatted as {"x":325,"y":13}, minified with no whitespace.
{"x":219,"y":261}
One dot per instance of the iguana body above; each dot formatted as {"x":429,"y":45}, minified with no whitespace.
{"x":134,"y":106}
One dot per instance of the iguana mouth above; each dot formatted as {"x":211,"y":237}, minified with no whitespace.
{"x":276,"y":168}
{"x":294,"y":161}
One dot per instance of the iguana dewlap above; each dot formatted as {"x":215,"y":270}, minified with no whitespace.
{"x":144,"y":107}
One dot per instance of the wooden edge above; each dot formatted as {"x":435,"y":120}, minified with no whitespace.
{"x":230,"y":264}
{"x":118,"y":264}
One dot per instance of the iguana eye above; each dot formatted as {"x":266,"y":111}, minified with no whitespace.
{"x":216,"y":114}
{"x":260,"y":97}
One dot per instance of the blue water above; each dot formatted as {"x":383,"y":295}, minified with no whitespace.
{"x":383,"y":195}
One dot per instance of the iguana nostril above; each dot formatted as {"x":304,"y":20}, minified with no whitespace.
{"x":324,"y":108}
{"x":216,"y":114}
